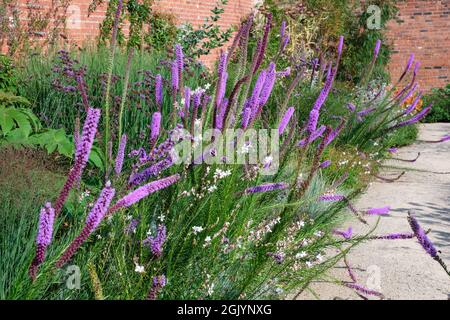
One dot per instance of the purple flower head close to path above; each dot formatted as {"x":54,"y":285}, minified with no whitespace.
{"x":158,"y":90}
{"x":347,"y":234}
{"x":332,"y":197}
{"x":285,"y":120}
{"x":421,"y":236}
{"x":379,"y":211}
{"x":445,"y":138}
{"x":155,"y":126}
{"x":120,"y":155}
{"x":267,"y":187}
{"x":414,"y":119}
{"x":413,"y":105}
{"x":392,"y":150}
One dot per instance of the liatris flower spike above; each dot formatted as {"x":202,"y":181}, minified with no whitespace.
{"x":158,"y":91}
{"x":179,"y":57}
{"x":175,"y":77}
{"x":376,"y":51}
{"x":43,"y":238}
{"x":424,"y":241}
{"x":143,"y":192}
{"x":379,"y":211}
{"x":92,"y":221}
{"x":412,"y":120}
{"x":158,"y":283}
{"x":345,"y":234}
{"x":325,"y":164}
{"x":81,"y":157}
{"x":156,"y":243}
{"x":155,"y":127}
{"x":267,"y":187}
{"x":285,"y":120}
{"x":120,"y":155}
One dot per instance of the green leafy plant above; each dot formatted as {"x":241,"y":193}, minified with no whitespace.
{"x":198,"y":42}
{"x":8,"y":77}
{"x":440,"y":98}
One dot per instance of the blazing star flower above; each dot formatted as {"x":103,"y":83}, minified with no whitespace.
{"x":312,"y":122}
{"x":351,"y":106}
{"x":156,"y":243}
{"x":379,"y":211}
{"x":158,"y":283}
{"x":395,"y":236}
{"x":175,"y":77}
{"x":155,"y":126}
{"x":376,"y":51}
{"x":285,"y":120}
{"x":340,"y":46}
{"x":131,"y":227}
{"x":414,"y":119}
{"x":179,"y":60}
{"x":267,"y":187}
{"x":254,"y":99}
{"x":413,"y":105}
{"x":392,"y":150}
{"x":143,"y":192}
{"x":81,"y":157}
{"x":43,"y":238}
{"x":158,"y":91}
{"x":332,"y":197}
{"x":421,"y":236}
{"x":285,"y":73}
{"x":246,"y":117}
{"x":282,"y":29}
{"x":408,"y":66}
{"x":325,"y":164}
{"x":120,"y":155}
{"x":153,"y":170}
{"x":364,"y":290}
{"x":93,"y":219}
{"x":187,"y":99}
{"x":345,"y":234}
{"x":269,"y":82}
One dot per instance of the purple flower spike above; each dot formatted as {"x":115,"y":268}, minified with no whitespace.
{"x":155,"y":126}
{"x":267,"y":187}
{"x":413,"y":105}
{"x":376,"y":51}
{"x":285,"y":120}
{"x":43,"y":238}
{"x":81,"y":157}
{"x":175,"y":77}
{"x":445,"y":138}
{"x":132,"y":226}
{"x":345,"y":234}
{"x":421,"y":236}
{"x":408,"y":66}
{"x":268,"y":85}
{"x":414,"y":119}
{"x":143,"y":192}
{"x":332,"y":197}
{"x":340,"y":46}
{"x":187,"y":99}
{"x":312,"y":122}
{"x":283,"y":29}
{"x":325,"y":164}
{"x":285,"y":42}
{"x":179,"y":60}
{"x":246,"y":117}
{"x":156,"y":243}
{"x":158,"y":91}
{"x":158,"y":283}
{"x":351,"y":107}
{"x":364,"y":290}
{"x":392,"y":150}
{"x":120,"y":155}
{"x":93,"y":219}
{"x":379,"y":211}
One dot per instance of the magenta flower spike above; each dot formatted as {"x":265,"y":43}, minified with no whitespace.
{"x":93,"y":219}
{"x":285,"y":120}
{"x":312,"y":122}
{"x":340,"y":46}
{"x":414,"y":119}
{"x":143,"y":192}
{"x":81,"y":157}
{"x":43,"y":238}
{"x":408,"y":66}
{"x":347,"y":234}
{"x":179,"y":57}
{"x":332,"y":197}
{"x":246,"y":114}
{"x":175,"y":77}
{"x":421,"y":236}
{"x":156,"y":243}
{"x":379,"y":211}
{"x":155,"y":126}
{"x":158,"y":91}
{"x":325,"y":164}
{"x":376,"y":51}
{"x":267,"y":187}
{"x":120,"y":155}
{"x":157,"y":284}
{"x":269,"y":82}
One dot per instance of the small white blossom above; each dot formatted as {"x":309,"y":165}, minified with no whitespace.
{"x":197,"y":229}
{"x":139,"y":269}
{"x":301,"y":255}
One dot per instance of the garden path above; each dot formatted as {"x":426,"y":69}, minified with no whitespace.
{"x":401,"y":269}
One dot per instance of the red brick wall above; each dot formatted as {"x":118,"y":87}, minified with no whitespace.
{"x":424,"y":31}
{"x":80,"y":27}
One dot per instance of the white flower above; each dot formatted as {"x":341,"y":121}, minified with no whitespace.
{"x":129,"y":217}
{"x":139,"y":269}
{"x":197,"y":229}
{"x":279,"y":290}
{"x":149,"y":232}
{"x":161,"y":217}
{"x":319,"y":257}
{"x":309,"y":264}
{"x":207,"y":86}
{"x":301,"y":255}
{"x":318,"y":233}
{"x":212,"y":188}
{"x":211,"y":289}
{"x":219,"y":174}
